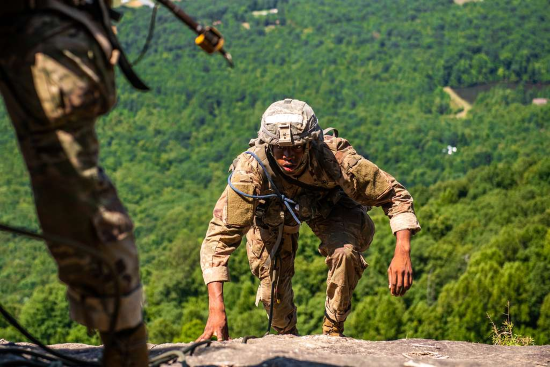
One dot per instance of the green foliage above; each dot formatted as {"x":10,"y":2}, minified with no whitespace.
{"x":373,"y":69}
{"x":505,"y":334}
{"x":377,"y":317}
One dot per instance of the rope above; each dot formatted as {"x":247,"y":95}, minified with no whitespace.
{"x":150,"y":34}
{"x":52,"y":238}
{"x":275,"y":274}
{"x":286,"y":201}
{"x":53,"y":357}
{"x":275,"y":252}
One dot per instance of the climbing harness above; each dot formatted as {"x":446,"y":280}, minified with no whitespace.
{"x":53,"y":358}
{"x":274,"y":255}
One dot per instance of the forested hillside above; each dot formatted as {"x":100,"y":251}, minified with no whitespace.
{"x":376,"y":71}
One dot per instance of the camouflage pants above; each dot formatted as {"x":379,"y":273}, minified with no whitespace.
{"x":344,"y":234}
{"x":54,"y":90}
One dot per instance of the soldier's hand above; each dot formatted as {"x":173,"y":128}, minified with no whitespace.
{"x":217,"y":319}
{"x":215,"y":326}
{"x":400,"y":273}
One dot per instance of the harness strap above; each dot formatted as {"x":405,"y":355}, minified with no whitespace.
{"x":123,"y":62}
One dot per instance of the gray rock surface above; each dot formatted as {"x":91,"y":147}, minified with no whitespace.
{"x":318,"y":350}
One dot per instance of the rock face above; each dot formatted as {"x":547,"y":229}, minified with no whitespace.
{"x":318,"y":350}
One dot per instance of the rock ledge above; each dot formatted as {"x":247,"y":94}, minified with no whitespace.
{"x":319,"y":350}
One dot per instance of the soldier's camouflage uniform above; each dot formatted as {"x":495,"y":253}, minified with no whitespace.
{"x":56,"y":80}
{"x":335,"y":192}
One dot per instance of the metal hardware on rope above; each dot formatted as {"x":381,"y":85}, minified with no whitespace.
{"x":209,"y":38}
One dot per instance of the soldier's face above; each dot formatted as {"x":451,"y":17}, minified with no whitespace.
{"x":289,"y":157}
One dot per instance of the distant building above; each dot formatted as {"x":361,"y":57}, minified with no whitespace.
{"x":540,"y":101}
{"x":260,"y":13}
{"x":462,"y":2}
{"x":450,"y":150}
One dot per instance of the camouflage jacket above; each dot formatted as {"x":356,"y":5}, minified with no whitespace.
{"x":335,"y":169}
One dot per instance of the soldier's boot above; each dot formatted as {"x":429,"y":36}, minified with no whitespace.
{"x":128,"y":348}
{"x":293,"y":331}
{"x":333,"y":328}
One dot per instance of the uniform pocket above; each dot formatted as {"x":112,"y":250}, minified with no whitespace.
{"x":65,"y":88}
{"x":240,"y":209}
{"x":71,"y":77}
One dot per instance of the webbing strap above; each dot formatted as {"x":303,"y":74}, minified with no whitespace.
{"x":123,"y":62}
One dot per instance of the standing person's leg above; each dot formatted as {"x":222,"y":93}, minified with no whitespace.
{"x":344,"y":234}
{"x":260,"y":242}
{"x":54,"y":91}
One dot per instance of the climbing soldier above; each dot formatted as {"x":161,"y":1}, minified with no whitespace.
{"x":293,"y":172}
{"x":57,"y":78}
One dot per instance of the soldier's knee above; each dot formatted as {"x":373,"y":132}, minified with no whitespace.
{"x":344,"y":255}
{"x":345,"y":264}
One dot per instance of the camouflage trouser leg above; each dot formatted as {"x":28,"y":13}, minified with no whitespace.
{"x":259,"y":243}
{"x":344,"y":234}
{"x":54,"y":91}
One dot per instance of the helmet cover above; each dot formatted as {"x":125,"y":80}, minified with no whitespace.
{"x":289,"y":122}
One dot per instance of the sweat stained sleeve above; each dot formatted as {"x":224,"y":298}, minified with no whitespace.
{"x":367,"y":184}
{"x":232,"y":218}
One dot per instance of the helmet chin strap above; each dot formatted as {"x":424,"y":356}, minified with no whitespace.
{"x":302,"y":166}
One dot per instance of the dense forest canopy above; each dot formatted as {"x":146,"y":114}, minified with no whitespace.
{"x":376,"y":71}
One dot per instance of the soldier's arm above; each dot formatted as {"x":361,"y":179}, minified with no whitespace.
{"x":369,"y":185}
{"x":233,"y":216}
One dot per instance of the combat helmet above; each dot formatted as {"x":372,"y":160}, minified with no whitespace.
{"x":289,"y":122}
